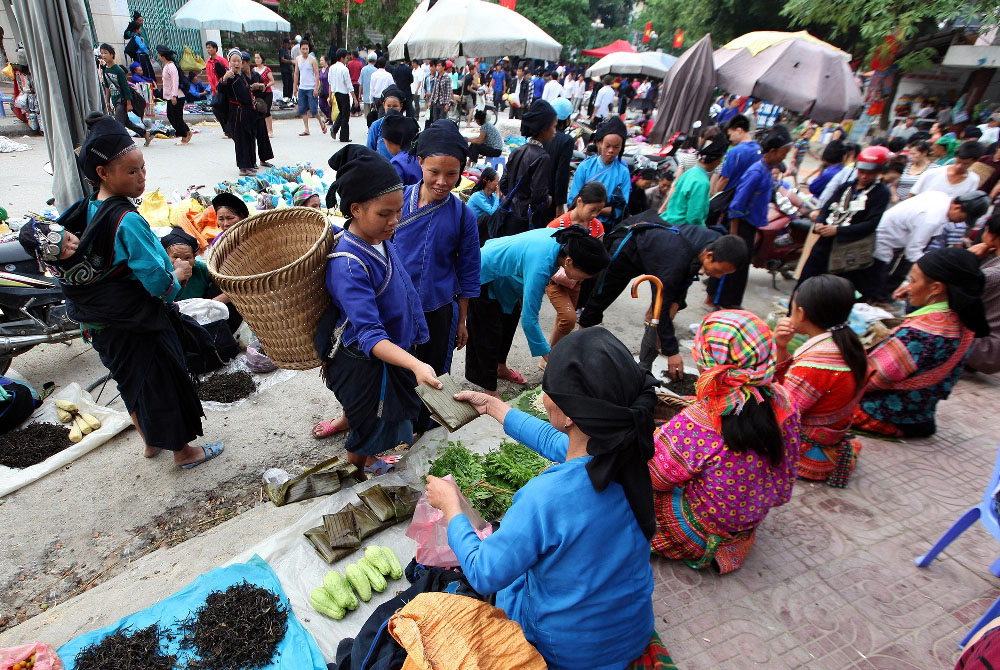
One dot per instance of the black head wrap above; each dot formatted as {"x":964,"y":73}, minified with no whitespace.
{"x":958,"y":269}
{"x":393,"y":91}
{"x":362,"y":175}
{"x":443,"y":138}
{"x":178,"y":236}
{"x":592,"y":377}
{"x":539,"y":116}
{"x":776,"y":138}
{"x":399,"y":129}
{"x":716,"y":148}
{"x":166,"y":51}
{"x":588,"y":253}
{"x":231,"y":202}
{"x":613,"y":126}
{"x":106,"y":140}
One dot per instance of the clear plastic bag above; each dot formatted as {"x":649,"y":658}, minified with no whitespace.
{"x":430,"y":531}
{"x":45,"y":657}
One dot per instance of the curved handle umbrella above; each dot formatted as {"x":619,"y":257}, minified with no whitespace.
{"x":648,"y":348}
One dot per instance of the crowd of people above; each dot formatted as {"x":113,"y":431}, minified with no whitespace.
{"x":416,"y":273}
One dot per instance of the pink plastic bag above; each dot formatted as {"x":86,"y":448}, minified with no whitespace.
{"x":45,"y":656}
{"x":429,"y":530}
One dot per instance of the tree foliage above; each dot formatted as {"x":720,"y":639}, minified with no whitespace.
{"x":869,"y":22}
{"x":326,"y":19}
{"x":725,"y":19}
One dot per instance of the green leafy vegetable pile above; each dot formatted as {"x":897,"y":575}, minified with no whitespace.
{"x":490,"y":481}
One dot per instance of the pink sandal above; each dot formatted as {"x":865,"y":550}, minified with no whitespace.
{"x":513,"y":376}
{"x":324,"y":429}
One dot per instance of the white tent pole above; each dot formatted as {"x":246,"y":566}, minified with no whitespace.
{"x":347,"y":30}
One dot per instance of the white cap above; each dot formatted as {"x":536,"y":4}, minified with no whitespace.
{"x":298,"y":38}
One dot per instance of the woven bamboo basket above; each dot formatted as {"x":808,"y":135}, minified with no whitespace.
{"x":272,"y":266}
{"x":668,"y":406}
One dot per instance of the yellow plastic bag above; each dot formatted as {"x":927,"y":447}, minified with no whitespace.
{"x":190,"y":62}
{"x":155,"y":210}
{"x":8,"y":71}
{"x":334,"y":109}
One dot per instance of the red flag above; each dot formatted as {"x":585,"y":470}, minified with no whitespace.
{"x":509,"y":4}
{"x":678,"y":38}
{"x":649,"y":29}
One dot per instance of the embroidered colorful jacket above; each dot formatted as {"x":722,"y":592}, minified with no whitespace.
{"x":823,"y":389}
{"x":708,"y":498}
{"x":916,"y":367}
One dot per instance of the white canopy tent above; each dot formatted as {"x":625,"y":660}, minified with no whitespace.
{"x":471,"y":28}
{"x":234,"y":15}
{"x":645,"y":63}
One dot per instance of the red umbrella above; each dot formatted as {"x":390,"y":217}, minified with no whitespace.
{"x":615,"y":47}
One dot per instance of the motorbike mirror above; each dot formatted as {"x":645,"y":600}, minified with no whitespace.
{"x":696,"y":125}
{"x":47,"y":166}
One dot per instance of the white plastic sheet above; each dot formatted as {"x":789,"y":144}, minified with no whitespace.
{"x":300,"y":568}
{"x":112,"y":422}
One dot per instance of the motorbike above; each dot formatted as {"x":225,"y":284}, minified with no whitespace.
{"x":32,"y":306}
{"x":779,"y":244}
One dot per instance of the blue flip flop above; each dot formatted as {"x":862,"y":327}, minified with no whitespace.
{"x":379,"y":467}
{"x":211,"y":451}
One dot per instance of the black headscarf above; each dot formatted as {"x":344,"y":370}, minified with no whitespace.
{"x":537,"y":118}
{"x":443,"y":138}
{"x":776,"y":138}
{"x":958,"y":269}
{"x":592,"y":377}
{"x":231,"y":202}
{"x":393,"y":91}
{"x":362,"y":174}
{"x":588,"y":253}
{"x":106,"y":140}
{"x":613,"y":126}
{"x":178,"y":236}
{"x":166,"y":52}
{"x":715,"y":148}
{"x":399,"y":129}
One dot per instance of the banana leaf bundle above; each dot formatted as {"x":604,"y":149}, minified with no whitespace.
{"x":450,"y":413}
{"x":319,"y":480}
{"x":342,"y":532}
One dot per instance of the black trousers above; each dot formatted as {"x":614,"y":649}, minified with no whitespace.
{"x":491,"y":335}
{"x":408,"y":109}
{"x":437,"y":112}
{"x":343,"y":122}
{"x":175,"y":115}
{"x":220,"y":108}
{"x":264,"y":150}
{"x":477,"y":150}
{"x":515,"y":112}
{"x":436,"y":351}
{"x":727,"y":292}
{"x":243,"y":130}
{"x":286,"y":83}
{"x":121,"y":114}
{"x":147,"y":66}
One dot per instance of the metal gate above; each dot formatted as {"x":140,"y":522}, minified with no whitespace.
{"x":160,"y":29}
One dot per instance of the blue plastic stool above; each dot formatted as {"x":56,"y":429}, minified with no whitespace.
{"x":986,"y":513}
{"x":496,"y":162}
{"x":3,"y":99}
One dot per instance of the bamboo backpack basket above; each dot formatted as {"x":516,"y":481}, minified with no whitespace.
{"x":273,"y":267}
{"x":668,"y":406}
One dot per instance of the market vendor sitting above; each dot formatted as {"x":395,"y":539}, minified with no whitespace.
{"x":570,"y":561}
{"x":920,"y":362}
{"x":193,"y":273}
{"x":728,"y":458}
{"x":229,"y":210}
{"x":306,"y":196}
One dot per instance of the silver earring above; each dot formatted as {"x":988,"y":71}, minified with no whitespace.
{"x":566,"y":426}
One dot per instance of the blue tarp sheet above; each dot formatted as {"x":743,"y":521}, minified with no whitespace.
{"x":298,"y":651}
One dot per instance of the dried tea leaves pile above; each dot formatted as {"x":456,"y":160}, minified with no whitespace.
{"x":32,"y":444}
{"x":139,"y":650}
{"x":236,"y":629}
{"x":227,"y":387}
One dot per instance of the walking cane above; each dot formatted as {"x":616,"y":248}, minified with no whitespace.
{"x":648,"y":349}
